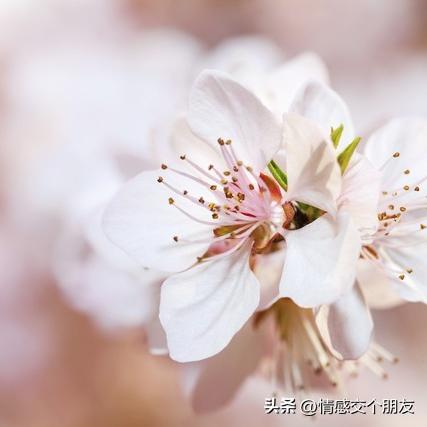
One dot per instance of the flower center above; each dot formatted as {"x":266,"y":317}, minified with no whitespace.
{"x":243,"y":204}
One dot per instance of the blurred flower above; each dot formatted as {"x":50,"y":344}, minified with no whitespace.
{"x":25,"y":332}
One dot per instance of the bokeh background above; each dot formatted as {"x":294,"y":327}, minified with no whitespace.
{"x":81,"y":76}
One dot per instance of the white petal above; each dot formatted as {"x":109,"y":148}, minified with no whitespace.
{"x":346,"y":325}
{"x":314,"y":176}
{"x":408,"y":137}
{"x":320,"y":263}
{"x":289,"y":78}
{"x":183,"y":141}
{"x":413,"y":287}
{"x":376,"y":286}
{"x":222,"y":108}
{"x":268,"y":269}
{"x":213,"y":383}
{"x":202,"y":308}
{"x":94,"y":234}
{"x":321,"y":104}
{"x":360,"y":193}
{"x":141,"y":222}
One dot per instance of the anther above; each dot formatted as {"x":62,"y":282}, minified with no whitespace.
{"x":163,"y":166}
{"x":227,"y":173}
{"x":236,"y":169}
{"x":385,"y":193}
{"x":409,"y":270}
{"x":423,"y":227}
{"x":391,"y":207}
{"x":202,"y":200}
{"x":160,"y":179}
{"x":417,"y":188}
{"x":182,"y":157}
{"x":407,"y":172}
{"x":224,"y":182}
{"x":215,"y":216}
{"x":396,"y":154}
{"x":402,"y":209}
{"x":213,"y":187}
{"x":228,"y":142}
{"x":185,"y":192}
{"x":210,"y":167}
{"x":401,"y":276}
{"x":406,"y":187}
{"x":221,"y":141}
{"x":239,"y":163}
{"x":171,"y":201}
{"x":249,"y":168}
{"x":175,"y":238}
{"x":234,"y":179}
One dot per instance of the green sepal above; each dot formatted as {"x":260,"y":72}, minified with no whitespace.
{"x":336,"y":135}
{"x":345,"y":157}
{"x":278,"y":174}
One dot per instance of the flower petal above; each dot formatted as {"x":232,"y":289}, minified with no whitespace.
{"x":360,"y":193}
{"x":222,"y":108}
{"x":320,"y":263}
{"x":408,"y":138}
{"x":212,"y":383}
{"x":376,"y":286}
{"x":184,"y":142}
{"x":314,"y":176}
{"x":286,"y":80}
{"x":321,"y":104}
{"x":346,"y":325}
{"x":141,"y":222}
{"x":410,"y":258}
{"x":202,"y":308}
{"x":268,"y":270}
